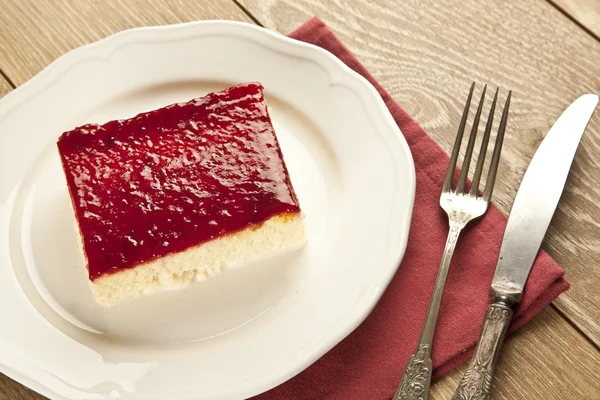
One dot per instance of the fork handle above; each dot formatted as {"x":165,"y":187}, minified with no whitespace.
{"x":476,"y":384}
{"x":416,"y":378}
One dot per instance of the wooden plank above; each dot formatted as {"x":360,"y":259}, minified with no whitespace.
{"x":4,"y":87}
{"x":547,"y":359}
{"x":535,"y":345}
{"x":427,"y":52}
{"x":35,"y":32}
{"x":11,"y":390}
{"x":585,"y":12}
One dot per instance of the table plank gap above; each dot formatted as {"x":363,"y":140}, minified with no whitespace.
{"x":586,"y":335}
{"x":248,"y":13}
{"x":34,"y":33}
{"x":546,"y":359}
{"x":5,"y":85}
{"x":427,"y":52}
{"x":548,"y":351}
{"x":7,"y":80}
{"x":585,"y":13}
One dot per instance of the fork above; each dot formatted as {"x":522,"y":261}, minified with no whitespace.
{"x":462,"y":206}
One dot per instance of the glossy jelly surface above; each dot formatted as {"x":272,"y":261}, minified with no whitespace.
{"x":172,"y":178}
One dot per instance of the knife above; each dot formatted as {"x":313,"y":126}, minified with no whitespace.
{"x":529,"y":218}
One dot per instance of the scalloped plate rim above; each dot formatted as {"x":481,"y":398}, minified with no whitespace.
{"x":52,"y":73}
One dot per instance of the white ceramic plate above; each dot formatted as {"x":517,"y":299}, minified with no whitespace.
{"x":246,"y":330}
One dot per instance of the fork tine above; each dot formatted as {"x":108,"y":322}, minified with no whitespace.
{"x":483,"y":149}
{"x":462,"y":180}
{"x":489,"y":185}
{"x":455,"y":150}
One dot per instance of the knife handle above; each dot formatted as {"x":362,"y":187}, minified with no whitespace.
{"x":476,"y":384}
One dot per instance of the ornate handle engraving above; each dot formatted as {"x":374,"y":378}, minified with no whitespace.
{"x":476,"y":384}
{"x":453,"y":235}
{"x":417,"y":376}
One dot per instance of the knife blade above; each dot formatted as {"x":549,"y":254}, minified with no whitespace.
{"x":537,"y":198}
{"x":530,"y":216}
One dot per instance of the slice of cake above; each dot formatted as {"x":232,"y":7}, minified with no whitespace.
{"x":172,"y":195}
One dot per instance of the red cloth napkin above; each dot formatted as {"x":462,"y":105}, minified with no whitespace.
{"x":368,"y":364}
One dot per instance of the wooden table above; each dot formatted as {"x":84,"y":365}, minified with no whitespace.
{"x":425,"y":53}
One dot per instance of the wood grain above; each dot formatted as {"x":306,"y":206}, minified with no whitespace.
{"x":35,"y":32}
{"x":586,"y":12}
{"x":427,"y":52}
{"x":11,"y":390}
{"x":547,"y":359}
{"x":4,"y":87}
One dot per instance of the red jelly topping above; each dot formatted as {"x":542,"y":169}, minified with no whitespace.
{"x":170,"y":179}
